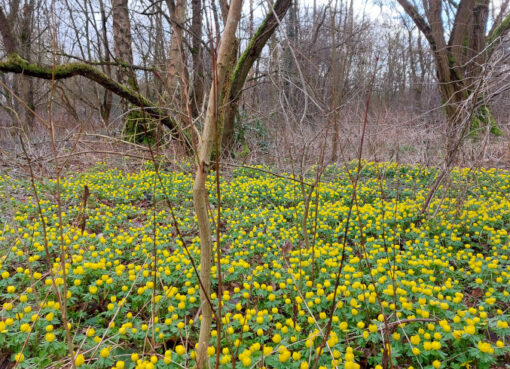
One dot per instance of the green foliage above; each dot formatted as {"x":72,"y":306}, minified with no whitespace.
{"x":441,"y":283}
{"x":484,"y":118}
{"x":139,"y":128}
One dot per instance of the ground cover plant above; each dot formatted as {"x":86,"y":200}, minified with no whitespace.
{"x":431,"y":291}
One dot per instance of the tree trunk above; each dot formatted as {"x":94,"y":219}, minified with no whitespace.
{"x":136,"y":126}
{"x":177,"y":75}
{"x":198,"y":65}
{"x":233,"y":90}
{"x":288,"y":59}
{"x":459,"y":62}
{"x":23,"y":84}
{"x":340,"y":66}
{"x":106,"y":105}
{"x":123,"y":43}
{"x":200,"y":198}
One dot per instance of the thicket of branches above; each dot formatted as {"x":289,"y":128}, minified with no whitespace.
{"x":312,"y":74}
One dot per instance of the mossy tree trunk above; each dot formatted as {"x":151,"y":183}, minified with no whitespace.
{"x":137,"y":127}
{"x":233,"y":91}
{"x":197,"y":95}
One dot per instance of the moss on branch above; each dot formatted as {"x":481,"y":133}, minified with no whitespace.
{"x":16,"y":64}
{"x":255,"y":46}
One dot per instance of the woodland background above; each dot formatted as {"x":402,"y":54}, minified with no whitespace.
{"x":306,"y":93}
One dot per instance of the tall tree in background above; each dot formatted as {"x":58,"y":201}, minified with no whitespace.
{"x":341,"y":59}
{"x":458,"y":59}
{"x":123,"y":52}
{"x":196,"y":53}
{"x":232,"y":91}
{"x":22,"y":14}
{"x":177,"y":70}
{"x":106,"y":104}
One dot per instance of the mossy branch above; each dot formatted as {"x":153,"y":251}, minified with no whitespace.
{"x":16,"y":64}
{"x":255,"y":46}
{"x":499,"y":31}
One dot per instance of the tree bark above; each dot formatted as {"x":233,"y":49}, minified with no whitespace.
{"x":106,"y":105}
{"x":6,"y":32}
{"x":21,"y":45}
{"x":242,"y":68}
{"x":177,"y":72}
{"x":197,"y":95}
{"x":200,"y":198}
{"x":123,"y":43}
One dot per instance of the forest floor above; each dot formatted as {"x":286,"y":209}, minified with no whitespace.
{"x":118,"y":264}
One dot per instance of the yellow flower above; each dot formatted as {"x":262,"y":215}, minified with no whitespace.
{"x":436,"y":364}
{"x":267,"y":350}
{"x":50,"y":337}
{"x":19,"y":357}
{"x":246,"y":361}
{"x":105,"y":352}
{"x":277,"y":338}
{"x":502,"y":324}
{"x":485,"y":347}
{"x":284,"y":356}
{"x":80,"y":360}
{"x":180,"y":350}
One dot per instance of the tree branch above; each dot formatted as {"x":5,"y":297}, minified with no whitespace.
{"x":499,"y":31}
{"x":16,"y":64}
{"x":255,"y":46}
{"x":107,"y":62}
{"x":419,"y":21}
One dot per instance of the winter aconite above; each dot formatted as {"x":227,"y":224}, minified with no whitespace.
{"x":434,"y":289}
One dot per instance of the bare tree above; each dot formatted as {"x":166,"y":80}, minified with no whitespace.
{"x":200,"y":197}
{"x":459,"y":59}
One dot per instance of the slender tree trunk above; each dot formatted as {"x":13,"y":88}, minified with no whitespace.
{"x":136,"y":126}
{"x":198,"y":65}
{"x":334,"y":88}
{"x":233,"y":89}
{"x":340,"y":66}
{"x":288,"y":59}
{"x":200,"y":198}
{"x":106,"y":105}
{"x":26,"y":52}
